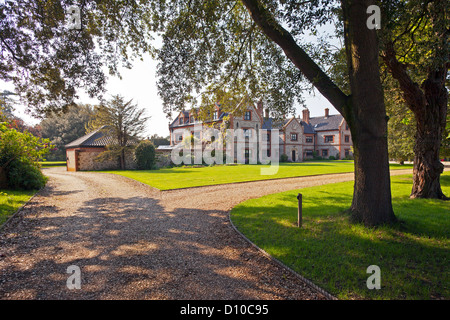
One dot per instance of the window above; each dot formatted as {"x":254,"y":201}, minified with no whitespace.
{"x":309,"y":153}
{"x":191,"y":119}
{"x":180,"y":138}
{"x":181,"y":121}
{"x":329,"y":138}
{"x":309,"y":139}
{"x":216,"y":115}
{"x":294,"y":137}
{"x":186,"y":120}
{"x":247,"y":133}
{"x":268,"y":136}
{"x":268,"y":152}
{"x":324,"y":153}
{"x":347,"y":152}
{"x":346,"y":126}
{"x":248,"y":115}
{"x":347,"y":138}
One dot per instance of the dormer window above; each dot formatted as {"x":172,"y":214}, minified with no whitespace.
{"x":181,"y":121}
{"x":248,"y":115}
{"x":216,"y":115}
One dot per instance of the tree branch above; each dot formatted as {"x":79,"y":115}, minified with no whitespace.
{"x":412,"y":93}
{"x":274,"y":31}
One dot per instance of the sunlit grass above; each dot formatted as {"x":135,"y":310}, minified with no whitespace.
{"x":413,"y":254}
{"x":190,"y":176}
{"x":11,"y":201}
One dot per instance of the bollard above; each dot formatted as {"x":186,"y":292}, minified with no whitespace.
{"x":299,"y":221}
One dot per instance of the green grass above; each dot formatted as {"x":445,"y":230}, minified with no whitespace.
{"x":46,"y":164}
{"x":11,"y":201}
{"x":333,"y":253}
{"x":186,"y":177}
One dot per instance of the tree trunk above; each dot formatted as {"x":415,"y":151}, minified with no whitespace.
{"x":429,"y":104}
{"x":122,"y":159}
{"x":430,"y":127}
{"x":364,"y":110}
{"x":366,"y":116}
{"x":3,"y":179}
{"x":372,"y":203}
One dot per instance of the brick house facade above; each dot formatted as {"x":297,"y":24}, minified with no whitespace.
{"x":81,"y":154}
{"x":300,"y":138}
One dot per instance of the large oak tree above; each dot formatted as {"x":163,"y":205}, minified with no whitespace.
{"x":213,"y":52}
{"x":416,"y":51}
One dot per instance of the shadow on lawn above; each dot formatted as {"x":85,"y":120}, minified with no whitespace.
{"x":335,"y":253}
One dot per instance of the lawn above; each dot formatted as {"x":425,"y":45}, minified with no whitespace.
{"x":413,"y":255}
{"x":190,"y":176}
{"x":11,"y":201}
{"x":46,"y":164}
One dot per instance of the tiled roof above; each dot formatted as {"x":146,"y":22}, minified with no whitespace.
{"x":98,"y":138}
{"x":331,"y":122}
{"x":307,"y":128}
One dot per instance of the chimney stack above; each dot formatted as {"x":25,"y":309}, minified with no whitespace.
{"x":306,"y":115}
{"x":260,"y":108}
{"x":327,"y":113}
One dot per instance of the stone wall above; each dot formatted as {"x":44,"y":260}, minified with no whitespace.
{"x":87,"y":161}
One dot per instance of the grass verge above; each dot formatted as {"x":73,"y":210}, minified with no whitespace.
{"x":11,"y":201}
{"x":413,"y":255}
{"x":46,"y":164}
{"x":189,"y":176}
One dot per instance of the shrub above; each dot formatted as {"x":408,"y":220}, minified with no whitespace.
{"x":331,"y":158}
{"x":25,"y":175}
{"x":20,"y":153}
{"x":145,"y":154}
{"x":283,"y":158}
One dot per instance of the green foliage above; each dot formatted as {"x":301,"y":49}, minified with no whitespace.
{"x":159,"y":141}
{"x":62,"y":128}
{"x":445,"y":148}
{"x":145,"y":154}
{"x":48,"y":63}
{"x":284,"y":158}
{"x":123,"y":122}
{"x":25,"y":175}
{"x":19,"y":156}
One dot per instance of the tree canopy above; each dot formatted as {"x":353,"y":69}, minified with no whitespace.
{"x":123,"y":121}
{"x":50,"y":63}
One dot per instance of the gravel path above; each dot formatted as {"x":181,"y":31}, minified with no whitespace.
{"x":134,"y":242}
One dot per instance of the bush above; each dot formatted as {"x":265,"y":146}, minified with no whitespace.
{"x":25,"y":175}
{"x":20,"y":153}
{"x":283,"y":158}
{"x":145,"y":154}
{"x":331,"y":158}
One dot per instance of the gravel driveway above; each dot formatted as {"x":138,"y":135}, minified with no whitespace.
{"x":134,"y":242}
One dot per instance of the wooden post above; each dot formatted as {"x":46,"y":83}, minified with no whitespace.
{"x":299,"y":221}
